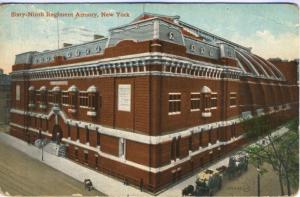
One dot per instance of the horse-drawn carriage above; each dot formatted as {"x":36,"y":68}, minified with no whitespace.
{"x":209,"y":181}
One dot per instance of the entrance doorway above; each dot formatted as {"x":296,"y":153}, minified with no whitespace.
{"x":57,"y":134}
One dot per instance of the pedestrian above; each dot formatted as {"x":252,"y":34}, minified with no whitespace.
{"x":141,"y":185}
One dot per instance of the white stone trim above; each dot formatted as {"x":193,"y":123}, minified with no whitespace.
{"x":137,"y":137}
{"x":91,"y":113}
{"x":59,"y":72}
{"x":134,"y":164}
{"x":174,"y":113}
{"x":206,"y":114}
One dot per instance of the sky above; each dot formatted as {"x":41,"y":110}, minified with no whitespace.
{"x":272,"y":30}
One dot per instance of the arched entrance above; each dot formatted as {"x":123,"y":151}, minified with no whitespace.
{"x":57,"y":134}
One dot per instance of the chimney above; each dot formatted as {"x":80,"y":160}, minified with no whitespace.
{"x":97,"y":36}
{"x":67,"y":44}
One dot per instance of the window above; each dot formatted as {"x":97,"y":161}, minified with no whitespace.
{"x":173,"y":149}
{"x":207,"y":102}
{"x":69,"y":130}
{"x":92,"y":95}
{"x":202,"y":50}
{"x":174,"y":103}
{"x":122,"y":147}
{"x":92,"y":101}
{"x":178,"y":147}
{"x":86,"y":156}
{"x":232,"y":99}
{"x":98,"y":138}
{"x":76,"y":153}
{"x":17,"y":92}
{"x":50,"y":97}
{"x":87,"y":135}
{"x":193,"y":48}
{"x":31,"y":97}
{"x":77,"y":132}
{"x":83,"y":99}
{"x":195,"y":101}
{"x":72,"y":94}
{"x":65,"y":98}
{"x":43,"y":97}
{"x":56,"y":95}
{"x":191,"y":142}
{"x":38,"y":96}
{"x":200,"y":138}
{"x":214,"y":100}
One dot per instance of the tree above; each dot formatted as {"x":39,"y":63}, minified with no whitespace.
{"x":281,"y":151}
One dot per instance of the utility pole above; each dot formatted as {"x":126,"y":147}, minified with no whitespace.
{"x":143,"y":6}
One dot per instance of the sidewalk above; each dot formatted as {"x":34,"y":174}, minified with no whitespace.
{"x":101,"y":182}
{"x":104,"y":184}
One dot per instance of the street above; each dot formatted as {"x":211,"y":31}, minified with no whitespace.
{"x":22,"y":175}
{"x":246,"y":184}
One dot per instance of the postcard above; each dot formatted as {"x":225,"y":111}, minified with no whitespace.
{"x":143,"y":99}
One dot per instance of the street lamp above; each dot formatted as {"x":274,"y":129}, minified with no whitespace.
{"x":42,"y":150}
{"x":43,"y":141}
{"x":258,"y":175}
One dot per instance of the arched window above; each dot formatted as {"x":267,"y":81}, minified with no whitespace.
{"x":72,"y":99}
{"x":43,"y":97}
{"x":56,"y":95}
{"x":31,"y":92}
{"x":92,"y":100}
{"x":206,"y":95}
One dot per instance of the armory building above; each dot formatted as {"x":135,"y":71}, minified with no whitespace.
{"x":155,"y":100}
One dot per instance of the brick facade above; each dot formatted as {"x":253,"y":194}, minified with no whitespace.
{"x":147,"y":144}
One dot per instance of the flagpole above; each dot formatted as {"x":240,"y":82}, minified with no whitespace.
{"x":57,"y":25}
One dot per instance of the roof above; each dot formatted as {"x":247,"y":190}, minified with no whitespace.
{"x":197,"y":42}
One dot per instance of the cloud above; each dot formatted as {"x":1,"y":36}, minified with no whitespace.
{"x":267,"y":45}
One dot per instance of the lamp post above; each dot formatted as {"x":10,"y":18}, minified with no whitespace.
{"x":258,"y":176}
{"x":42,"y":150}
{"x":42,"y":143}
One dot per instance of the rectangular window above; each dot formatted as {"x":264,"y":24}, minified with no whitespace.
{"x":174,"y":103}
{"x":17,"y":92}
{"x":76,"y":153}
{"x":77,"y":132}
{"x":178,"y":147}
{"x":69,"y":131}
{"x":173,"y":149}
{"x":98,"y":138}
{"x":83,"y":99}
{"x":214,"y":100}
{"x":50,"y":97}
{"x":232,"y":99}
{"x":65,"y":98}
{"x":86,"y":156}
{"x":195,"y":101}
{"x":87,"y":135}
{"x":191,"y":142}
{"x":38,"y":96}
